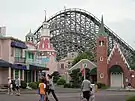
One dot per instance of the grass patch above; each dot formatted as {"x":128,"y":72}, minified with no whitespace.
{"x":131,"y":98}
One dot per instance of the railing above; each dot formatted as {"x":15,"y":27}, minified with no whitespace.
{"x":19,"y":60}
{"x":35,"y":62}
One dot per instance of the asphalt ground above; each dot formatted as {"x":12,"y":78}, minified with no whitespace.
{"x":100,"y":96}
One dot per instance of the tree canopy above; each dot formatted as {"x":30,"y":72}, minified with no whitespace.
{"x":77,"y":78}
{"x":85,"y":55}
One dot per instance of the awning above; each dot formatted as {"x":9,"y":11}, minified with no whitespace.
{"x":4,"y":63}
{"x":34,"y":67}
{"x":93,"y":71}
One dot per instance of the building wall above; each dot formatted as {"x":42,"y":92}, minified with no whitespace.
{"x":52,"y":65}
{"x":116,"y":59}
{"x":102,"y":67}
{"x":62,"y":65}
{"x":5,"y":49}
{"x":67,"y":62}
{"x":3,"y":75}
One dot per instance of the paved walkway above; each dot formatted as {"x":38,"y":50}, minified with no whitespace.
{"x":57,"y":90}
{"x":100,"y":96}
{"x":67,"y":90}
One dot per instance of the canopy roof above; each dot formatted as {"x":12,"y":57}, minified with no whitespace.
{"x":4,"y":63}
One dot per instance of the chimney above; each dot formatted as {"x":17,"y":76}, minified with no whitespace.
{"x":3,"y":31}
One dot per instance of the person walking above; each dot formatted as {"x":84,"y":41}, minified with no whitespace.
{"x":51,"y":87}
{"x":42,"y":91}
{"x":86,"y":88}
{"x":46,"y":89}
{"x":17,"y":84}
{"x":10,"y":86}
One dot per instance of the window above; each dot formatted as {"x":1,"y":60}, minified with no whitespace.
{"x":21,"y":75}
{"x":101,"y":43}
{"x":12,"y":51}
{"x":62,"y":66}
{"x":49,"y":45}
{"x":0,"y":51}
{"x":21,"y":53}
{"x":101,"y":58}
{"x":29,"y":55}
{"x":16,"y":73}
{"x":69,"y":63}
{"x":43,"y":45}
{"x":32,"y":55}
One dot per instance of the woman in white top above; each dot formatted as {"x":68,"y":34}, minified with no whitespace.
{"x":86,"y":88}
{"x":51,"y":87}
{"x":10,"y":86}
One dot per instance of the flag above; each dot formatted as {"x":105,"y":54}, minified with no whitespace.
{"x":82,"y":70}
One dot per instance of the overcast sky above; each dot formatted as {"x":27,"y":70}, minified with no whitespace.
{"x":19,"y":16}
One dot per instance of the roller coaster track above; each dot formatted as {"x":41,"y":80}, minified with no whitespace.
{"x":74,"y":29}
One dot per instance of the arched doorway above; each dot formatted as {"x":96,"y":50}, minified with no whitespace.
{"x":116,"y":76}
{"x":93,"y":74}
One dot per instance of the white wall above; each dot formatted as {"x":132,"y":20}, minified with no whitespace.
{"x":3,"y":75}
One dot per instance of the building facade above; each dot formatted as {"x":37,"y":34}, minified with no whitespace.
{"x":45,"y":53}
{"x":112,"y":70}
{"x":12,"y":51}
{"x":33,"y":63}
{"x":65,"y":64}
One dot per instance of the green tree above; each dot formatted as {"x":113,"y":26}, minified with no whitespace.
{"x":56,"y":76}
{"x":77,"y":78}
{"x":85,"y":55}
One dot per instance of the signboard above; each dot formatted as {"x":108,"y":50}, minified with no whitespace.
{"x":18,"y":44}
{"x":85,"y":65}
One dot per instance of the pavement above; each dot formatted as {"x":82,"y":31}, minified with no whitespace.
{"x":57,"y":90}
{"x":100,"y":96}
{"x":68,"y":90}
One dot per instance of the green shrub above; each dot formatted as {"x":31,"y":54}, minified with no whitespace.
{"x":37,"y":83}
{"x":101,"y":85}
{"x":67,"y":85}
{"x":75,"y":85}
{"x":33,"y":85}
{"x":61,"y":81}
{"x":132,"y":98}
{"x":55,"y":79}
{"x":23,"y":84}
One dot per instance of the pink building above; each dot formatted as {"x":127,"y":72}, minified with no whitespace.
{"x":46,"y":52}
{"x":12,"y":51}
{"x":66,"y":63}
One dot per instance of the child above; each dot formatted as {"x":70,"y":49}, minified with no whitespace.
{"x":92,"y":97}
{"x":42,"y":91}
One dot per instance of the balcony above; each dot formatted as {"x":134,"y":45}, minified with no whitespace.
{"x":35,"y":62}
{"x":19,"y":60}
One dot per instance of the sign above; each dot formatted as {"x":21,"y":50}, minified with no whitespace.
{"x":19,"y":66}
{"x":18,"y":44}
{"x":85,"y":65}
